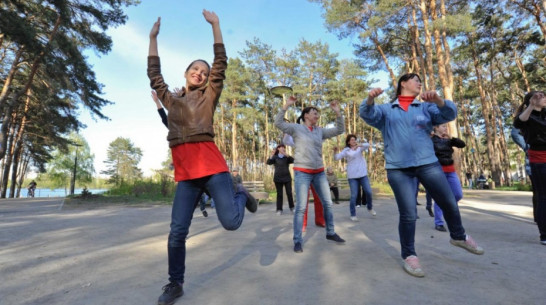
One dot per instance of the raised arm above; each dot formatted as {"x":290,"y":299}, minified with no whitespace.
{"x":152,"y":49}
{"x":211,"y":18}
{"x":340,"y":123}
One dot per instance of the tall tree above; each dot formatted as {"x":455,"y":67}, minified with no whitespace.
{"x":122,"y":161}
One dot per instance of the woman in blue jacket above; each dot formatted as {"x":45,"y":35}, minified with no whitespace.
{"x":406,"y":124}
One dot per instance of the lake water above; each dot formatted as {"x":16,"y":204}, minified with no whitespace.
{"x":58,"y":192}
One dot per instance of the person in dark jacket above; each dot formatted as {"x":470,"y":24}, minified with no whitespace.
{"x":281,"y":177}
{"x":531,"y":120}
{"x":443,"y":148}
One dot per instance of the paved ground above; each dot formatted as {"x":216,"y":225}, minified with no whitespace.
{"x":117,"y":255}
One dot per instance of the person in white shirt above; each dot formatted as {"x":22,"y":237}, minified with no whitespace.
{"x":357,"y":172}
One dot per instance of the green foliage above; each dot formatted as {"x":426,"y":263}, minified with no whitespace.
{"x":145,"y":189}
{"x":61,"y":168}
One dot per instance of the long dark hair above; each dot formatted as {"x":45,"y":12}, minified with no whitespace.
{"x":349,"y":136}
{"x":304,"y":111}
{"x":404,"y":78}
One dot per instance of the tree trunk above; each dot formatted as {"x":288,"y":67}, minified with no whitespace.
{"x":385,"y":60}
{"x":415,"y":31}
{"x":522,"y":71}
{"x":428,"y":46}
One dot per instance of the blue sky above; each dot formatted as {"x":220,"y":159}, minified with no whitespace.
{"x":185,"y":36}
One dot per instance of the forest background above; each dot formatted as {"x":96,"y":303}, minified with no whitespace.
{"x":484,"y":55}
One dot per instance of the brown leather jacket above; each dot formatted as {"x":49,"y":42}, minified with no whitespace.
{"x":191,"y":114}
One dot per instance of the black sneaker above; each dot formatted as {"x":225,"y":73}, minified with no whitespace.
{"x":171,"y":292}
{"x":335,"y":238}
{"x":251,"y":203}
{"x":205,"y":213}
{"x":430,"y":213}
{"x":440,"y":228}
{"x":298,"y":248}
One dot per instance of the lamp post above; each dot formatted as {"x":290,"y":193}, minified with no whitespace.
{"x":73,"y":182}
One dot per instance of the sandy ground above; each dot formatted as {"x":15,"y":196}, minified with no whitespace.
{"x":55,"y":254}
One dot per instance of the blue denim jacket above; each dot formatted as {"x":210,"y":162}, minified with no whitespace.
{"x":406,"y":135}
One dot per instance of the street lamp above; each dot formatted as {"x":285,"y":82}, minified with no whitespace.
{"x":73,"y":182}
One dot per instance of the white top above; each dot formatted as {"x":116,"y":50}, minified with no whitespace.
{"x":356,"y":164}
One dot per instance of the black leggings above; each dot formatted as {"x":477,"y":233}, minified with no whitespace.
{"x":288,"y":187}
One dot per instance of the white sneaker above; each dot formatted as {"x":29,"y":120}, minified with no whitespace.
{"x":353,"y":218}
{"x":412,"y":266}
{"x":469,"y":244}
{"x":279,"y":213}
{"x":372,"y":212}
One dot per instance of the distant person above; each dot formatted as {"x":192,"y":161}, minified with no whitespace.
{"x":332,"y":182}
{"x":520,"y":141}
{"x":443,"y":148}
{"x":31,"y":188}
{"x":531,"y":121}
{"x":160,"y":109}
{"x":406,"y":124}
{"x":308,"y":164}
{"x":281,"y":176}
{"x":469,"y":179}
{"x":237,"y":179}
{"x":357,"y":173}
{"x":198,"y":164}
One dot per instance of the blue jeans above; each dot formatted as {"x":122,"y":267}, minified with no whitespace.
{"x":354,"y":185}
{"x":230,"y":208}
{"x":302,"y":182}
{"x":457,"y":190}
{"x":402,"y":182}
{"x":538,"y":177}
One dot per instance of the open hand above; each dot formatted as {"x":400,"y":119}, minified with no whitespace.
{"x":291,"y":101}
{"x":335,"y":106}
{"x":155,"y":28}
{"x":210,"y":17}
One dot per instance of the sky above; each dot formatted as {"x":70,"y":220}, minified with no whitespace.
{"x":185,"y":36}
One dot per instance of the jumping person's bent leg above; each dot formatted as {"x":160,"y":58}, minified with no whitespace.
{"x":230,"y":206}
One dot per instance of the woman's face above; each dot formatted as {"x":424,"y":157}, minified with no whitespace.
{"x":197,"y":75}
{"x":311,"y":117}
{"x":282,"y":150}
{"x":411,"y":87}
{"x":352,"y":142}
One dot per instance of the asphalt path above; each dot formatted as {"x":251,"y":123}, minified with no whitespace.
{"x":55,"y":253}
